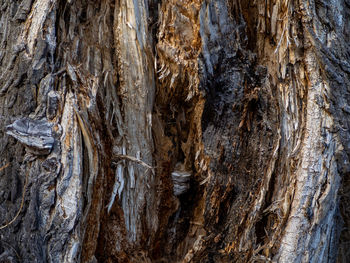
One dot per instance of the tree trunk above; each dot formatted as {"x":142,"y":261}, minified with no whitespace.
{"x":174,"y":131}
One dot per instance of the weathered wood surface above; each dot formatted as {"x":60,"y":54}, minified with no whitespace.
{"x":174,"y":131}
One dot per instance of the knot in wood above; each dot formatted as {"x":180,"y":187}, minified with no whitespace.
{"x":34,"y":134}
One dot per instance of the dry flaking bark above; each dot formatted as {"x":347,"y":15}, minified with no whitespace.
{"x":174,"y":131}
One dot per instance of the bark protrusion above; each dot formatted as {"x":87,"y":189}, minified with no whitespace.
{"x":35,"y":134}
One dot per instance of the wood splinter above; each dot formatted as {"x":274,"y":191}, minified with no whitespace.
{"x":130,"y":158}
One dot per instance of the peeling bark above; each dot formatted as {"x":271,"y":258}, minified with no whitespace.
{"x":174,"y":131}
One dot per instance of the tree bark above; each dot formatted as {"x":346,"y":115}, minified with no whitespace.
{"x":174,"y":131}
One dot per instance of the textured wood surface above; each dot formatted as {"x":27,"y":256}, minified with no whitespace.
{"x":174,"y":131}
